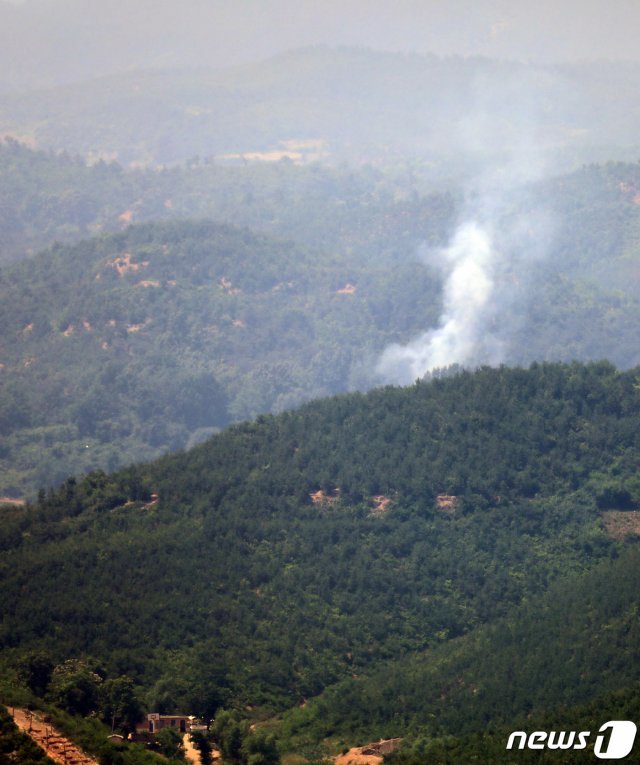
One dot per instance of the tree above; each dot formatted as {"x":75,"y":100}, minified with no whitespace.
{"x":203,"y":745}
{"x":169,"y":742}
{"x":119,"y":706}
{"x":229,"y":732}
{"x":260,"y":749}
{"x":35,"y":670}
{"x":74,"y":687}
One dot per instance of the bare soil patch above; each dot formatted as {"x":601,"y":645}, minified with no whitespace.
{"x":321,"y":497}
{"x":59,"y":748}
{"x":11,"y":501}
{"x":371,"y":754}
{"x":447,"y":503}
{"x":620,"y":524}
{"x":123,"y":264}
{"x":380,"y":504}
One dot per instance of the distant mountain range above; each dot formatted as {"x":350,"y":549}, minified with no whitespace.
{"x":343,"y":105}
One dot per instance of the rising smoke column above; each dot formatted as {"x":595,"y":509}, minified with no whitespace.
{"x":506,"y":230}
{"x":463,"y":335}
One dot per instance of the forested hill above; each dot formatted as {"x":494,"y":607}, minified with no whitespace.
{"x":48,"y":197}
{"x":287,"y":554}
{"x":122,"y":347}
{"x":118,"y":348}
{"x":565,"y":660}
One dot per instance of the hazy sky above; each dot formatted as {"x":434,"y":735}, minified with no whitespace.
{"x":46,"y":41}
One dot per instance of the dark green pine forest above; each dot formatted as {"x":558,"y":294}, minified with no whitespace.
{"x":422,"y":562}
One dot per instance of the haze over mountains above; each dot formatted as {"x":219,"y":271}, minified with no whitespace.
{"x":452,"y":115}
{"x":50,"y":42}
{"x":223,"y":227}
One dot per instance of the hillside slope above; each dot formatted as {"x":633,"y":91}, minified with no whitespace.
{"x":284,"y":555}
{"x":576,"y":643}
{"x":121,"y":347}
{"x":48,"y":197}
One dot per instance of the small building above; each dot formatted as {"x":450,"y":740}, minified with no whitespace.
{"x":156,"y":722}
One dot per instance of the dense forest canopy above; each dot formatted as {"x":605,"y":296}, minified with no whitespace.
{"x":47,"y":197}
{"x":124,"y":346}
{"x":393,"y":527}
{"x":119,"y":347}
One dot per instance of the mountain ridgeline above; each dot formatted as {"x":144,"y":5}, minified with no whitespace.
{"x":340,"y":105}
{"x":390,"y":551}
{"x":48,"y":197}
{"x":123,"y":346}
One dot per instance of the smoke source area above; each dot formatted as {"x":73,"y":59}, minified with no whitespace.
{"x":463,"y":335}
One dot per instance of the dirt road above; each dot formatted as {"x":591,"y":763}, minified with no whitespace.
{"x":59,"y":748}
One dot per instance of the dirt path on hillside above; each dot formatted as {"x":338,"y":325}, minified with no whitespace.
{"x":59,"y":748}
{"x":193,"y":755}
{"x":190,"y":752}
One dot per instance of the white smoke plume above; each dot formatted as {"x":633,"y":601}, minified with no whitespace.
{"x":462,"y":335}
{"x":485,"y":268}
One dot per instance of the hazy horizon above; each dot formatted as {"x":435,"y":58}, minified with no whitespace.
{"x":49,"y":42}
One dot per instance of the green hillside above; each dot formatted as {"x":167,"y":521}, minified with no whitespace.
{"x":48,"y":197}
{"x":121,"y":347}
{"x":404,"y":526}
{"x":212,"y":500}
{"x":577,"y":642}
{"x":490,"y":745}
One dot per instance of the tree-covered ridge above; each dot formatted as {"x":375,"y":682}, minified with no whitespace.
{"x":123,"y":346}
{"x":287,"y":554}
{"x":47,"y":197}
{"x":490,"y":745}
{"x":528,"y":671}
{"x":106,"y":361}
{"x":365,"y":211}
